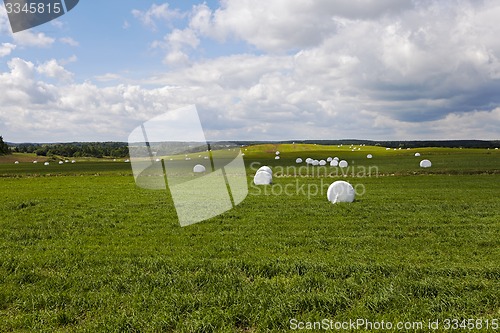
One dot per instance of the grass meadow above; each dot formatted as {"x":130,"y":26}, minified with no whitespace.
{"x":83,"y":249}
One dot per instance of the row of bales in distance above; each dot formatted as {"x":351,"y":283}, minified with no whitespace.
{"x":338,"y":191}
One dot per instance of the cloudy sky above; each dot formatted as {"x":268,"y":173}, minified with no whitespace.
{"x":256,"y":70}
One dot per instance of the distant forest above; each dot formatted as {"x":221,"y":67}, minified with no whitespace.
{"x":391,"y":144}
{"x":75,"y":149}
{"x":4,"y":148}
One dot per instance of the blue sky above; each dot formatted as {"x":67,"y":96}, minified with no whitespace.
{"x":257,"y":70}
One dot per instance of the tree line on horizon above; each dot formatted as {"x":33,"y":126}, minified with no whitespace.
{"x":77,"y":149}
{"x":4,"y":148}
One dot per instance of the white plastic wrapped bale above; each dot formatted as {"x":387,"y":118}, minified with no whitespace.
{"x":334,"y":163}
{"x":322,"y":162}
{"x":16,"y":162}
{"x":315,"y":162}
{"x":298,"y":160}
{"x":417,"y":154}
{"x":309,"y":160}
{"x":425,"y":164}
{"x":329,"y":159}
{"x":277,"y":158}
{"x":198,"y":168}
{"x":266,"y":169}
{"x":277,"y":153}
{"x":336,"y":158}
{"x":262,"y":178}
{"x":369,"y":156}
{"x":61,"y":162}
{"x":46,"y":163}
{"x":340,"y":191}
{"x":343,"y":164}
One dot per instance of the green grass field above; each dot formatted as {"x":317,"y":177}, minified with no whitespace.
{"x":82,"y":249}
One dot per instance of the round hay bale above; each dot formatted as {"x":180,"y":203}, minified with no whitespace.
{"x":309,"y":160}
{"x":277,"y":158}
{"x":343,"y":164}
{"x":340,"y":191}
{"x":277,"y":153}
{"x":425,"y":164}
{"x":322,"y":162}
{"x":266,"y":169}
{"x":198,"y":168}
{"x":16,"y":162}
{"x":61,"y":162}
{"x":369,"y":156}
{"x":315,"y":162}
{"x":329,"y":159}
{"x":262,"y":178}
{"x":336,"y":158}
{"x":46,"y":163}
{"x":334,"y":163}
{"x":417,"y":154}
{"x":298,"y":160}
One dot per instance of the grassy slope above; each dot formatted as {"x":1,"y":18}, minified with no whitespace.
{"x":96,"y":253}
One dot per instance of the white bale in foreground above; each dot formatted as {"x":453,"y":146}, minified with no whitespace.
{"x":340,"y":191}
{"x":262,"y":178}
{"x":343,"y":164}
{"x":334,"y":163}
{"x":198,"y":168}
{"x":322,"y":162}
{"x":417,"y":154}
{"x":266,"y":169}
{"x":369,"y":156}
{"x":277,"y":158}
{"x":298,"y":160}
{"x":425,"y":164}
